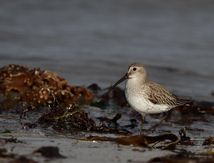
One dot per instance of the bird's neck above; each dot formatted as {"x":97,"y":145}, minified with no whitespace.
{"x":135,"y":83}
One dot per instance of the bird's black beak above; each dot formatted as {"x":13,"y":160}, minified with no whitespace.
{"x":120,"y":81}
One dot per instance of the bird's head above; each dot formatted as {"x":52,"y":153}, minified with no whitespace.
{"x":135,"y":71}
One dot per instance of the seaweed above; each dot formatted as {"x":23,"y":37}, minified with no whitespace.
{"x":141,"y":140}
{"x":32,"y":88}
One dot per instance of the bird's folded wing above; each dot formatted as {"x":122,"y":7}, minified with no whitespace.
{"x":159,"y":95}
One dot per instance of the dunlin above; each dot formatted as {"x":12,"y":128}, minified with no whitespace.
{"x":146,"y":96}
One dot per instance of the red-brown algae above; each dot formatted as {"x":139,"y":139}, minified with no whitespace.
{"x":37,"y":87}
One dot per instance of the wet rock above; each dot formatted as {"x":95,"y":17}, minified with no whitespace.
{"x":94,"y":88}
{"x":49,"y":152}
{"x":116,"y":95}
{"x":107,"y":96}
{"x":35,"y":87}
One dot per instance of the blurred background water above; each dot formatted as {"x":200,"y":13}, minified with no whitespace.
{"x":95,"y":41}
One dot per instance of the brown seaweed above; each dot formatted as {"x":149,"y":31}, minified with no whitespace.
{"x":140,"y":140}
{"x":35,"y":87}
{"x":68,"y":119}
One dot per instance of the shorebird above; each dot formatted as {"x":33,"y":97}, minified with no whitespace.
{"x":146,"y":96}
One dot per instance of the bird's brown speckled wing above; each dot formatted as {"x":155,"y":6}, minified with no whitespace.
{"x":159,"y":95}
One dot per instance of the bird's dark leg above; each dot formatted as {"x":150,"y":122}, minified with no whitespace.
{"x":142,"y":124}
{"x":166,"y":116}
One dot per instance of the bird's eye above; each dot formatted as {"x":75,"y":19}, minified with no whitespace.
{"x":134,"y":69}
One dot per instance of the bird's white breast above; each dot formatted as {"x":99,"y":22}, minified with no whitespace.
{"x":139,"y":101}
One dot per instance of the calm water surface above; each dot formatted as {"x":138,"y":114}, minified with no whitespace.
{"x":95,"y":41}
